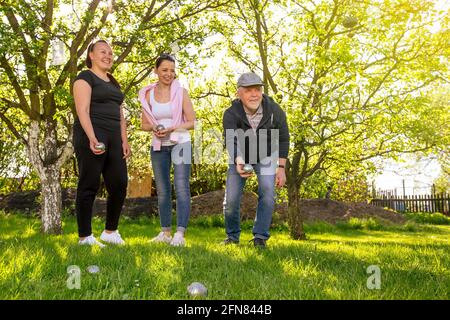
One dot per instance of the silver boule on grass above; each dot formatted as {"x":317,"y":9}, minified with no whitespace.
{"x":93,"y":269}
{"x":100,"y":146}
{"x":197,"y":290}
{"x":248,"y":168}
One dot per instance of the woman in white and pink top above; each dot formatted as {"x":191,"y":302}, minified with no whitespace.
{"x":166,"y":103}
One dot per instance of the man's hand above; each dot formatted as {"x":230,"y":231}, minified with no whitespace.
{"x":280,"y":178}
{"x":242,"y":173}
{"x":240,"y":168}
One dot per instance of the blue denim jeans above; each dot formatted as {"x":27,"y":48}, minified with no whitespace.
{"x":266,"y":203}
{"x":180,"y":156}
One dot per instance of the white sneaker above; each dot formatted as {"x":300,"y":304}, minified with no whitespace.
{"x":113,"y":237}
{"x":178,"y":240}
{"x":162,"y":237}
{"x":91,"y":241}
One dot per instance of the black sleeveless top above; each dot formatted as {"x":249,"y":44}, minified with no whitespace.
{"x":106,"y":99}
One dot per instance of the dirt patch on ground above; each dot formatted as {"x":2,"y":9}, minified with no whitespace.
{"x":333,"y":211}
{"x":212,"y":203}
{"x":313,"y":209}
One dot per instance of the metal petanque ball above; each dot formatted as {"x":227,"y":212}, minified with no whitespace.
{"x":349,"y":22}
{"x":159,"y":127}
{"x":100,"y":146}
{"x":196,"y":289}
{"x":93,"y":269}
{"x":248,"y":168}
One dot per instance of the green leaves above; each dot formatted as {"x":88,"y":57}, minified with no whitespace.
{"x":351,"y":92}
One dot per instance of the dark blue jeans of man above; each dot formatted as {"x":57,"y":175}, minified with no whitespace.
{"x":180,"y":156}
{"x":266,"y":202}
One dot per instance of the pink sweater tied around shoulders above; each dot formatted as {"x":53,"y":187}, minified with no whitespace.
{"x":176,"y":101}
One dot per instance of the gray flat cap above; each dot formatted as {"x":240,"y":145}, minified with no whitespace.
{"x":249,"y":79}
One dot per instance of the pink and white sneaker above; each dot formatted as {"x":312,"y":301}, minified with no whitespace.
{"x":178,"y":240}
{"x":162,"y":237}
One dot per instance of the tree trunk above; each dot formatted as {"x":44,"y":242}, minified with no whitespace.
{"x":51,"y":200}
{"x":47,"y":159}
{"x":295,"y":217}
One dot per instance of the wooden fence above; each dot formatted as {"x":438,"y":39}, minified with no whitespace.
{"x":418,"y":203}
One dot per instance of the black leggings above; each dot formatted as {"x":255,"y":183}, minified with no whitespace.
{"x":90,"y":166}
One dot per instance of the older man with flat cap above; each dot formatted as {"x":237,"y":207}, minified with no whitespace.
{"x":257,"y":140}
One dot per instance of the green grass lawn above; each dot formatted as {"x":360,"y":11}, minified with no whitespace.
{"x":414,"y":261}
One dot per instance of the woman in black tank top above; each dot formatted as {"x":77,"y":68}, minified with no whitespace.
{"x":100,"y":142}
